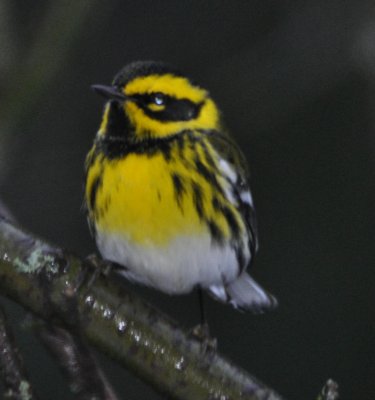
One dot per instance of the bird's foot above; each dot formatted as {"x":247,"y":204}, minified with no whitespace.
{"x":94,"y":267}
{"x":201,"y":333}
{"x":103,"y":267}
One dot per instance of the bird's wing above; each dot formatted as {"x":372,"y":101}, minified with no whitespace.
{"x":235,"y":162}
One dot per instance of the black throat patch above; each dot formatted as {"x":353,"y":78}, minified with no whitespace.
{"x":118,"y":125}
{"x":114,"y":147}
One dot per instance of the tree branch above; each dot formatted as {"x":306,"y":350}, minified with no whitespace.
{"x":52,"y":283}
{"x":78,"y":365}
{"x":12,"y":371}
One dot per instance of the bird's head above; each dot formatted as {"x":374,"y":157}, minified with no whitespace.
{"x":151,"y":99}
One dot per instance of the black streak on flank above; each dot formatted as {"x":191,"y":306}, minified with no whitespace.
{"x":94,"y":190}
{"x":208,"y":175}
{"x":216,"y":204}
{"x":180,"y":146}
{"x":216,"y":233}
{"x":240,"y":259}
{"x":165,"y":148}
{"x":179,"y":188}
{"x":197,"y":198}
{"x":231,"y":221}
{"x":207,"y":154}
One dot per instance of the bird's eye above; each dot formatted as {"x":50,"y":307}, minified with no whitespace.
{"x":158,"y":99}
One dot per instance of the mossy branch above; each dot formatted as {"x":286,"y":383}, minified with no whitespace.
{"x":52,"y":283}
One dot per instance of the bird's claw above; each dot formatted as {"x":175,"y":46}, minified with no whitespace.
{"x":95,"y":266}
{"x":201,"y":333}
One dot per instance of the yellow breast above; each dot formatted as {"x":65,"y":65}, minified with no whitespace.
{"x":152,"y":199}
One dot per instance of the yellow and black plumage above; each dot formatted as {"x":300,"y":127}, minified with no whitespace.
{"x":167,"y":190}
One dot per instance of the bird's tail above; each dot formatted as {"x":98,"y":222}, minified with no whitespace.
{"x":246,"y":294}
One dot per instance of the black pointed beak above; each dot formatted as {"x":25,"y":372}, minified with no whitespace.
{"x":109,"y":92}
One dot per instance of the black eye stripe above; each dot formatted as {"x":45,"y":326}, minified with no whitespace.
{"x":155,"y":98}
{"x":174,"y":109}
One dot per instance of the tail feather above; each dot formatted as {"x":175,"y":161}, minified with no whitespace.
{"x":246,"y":294}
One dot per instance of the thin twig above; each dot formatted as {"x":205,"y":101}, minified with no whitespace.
{"x":330,"y":391}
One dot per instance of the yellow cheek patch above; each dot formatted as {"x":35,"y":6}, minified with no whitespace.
{"x":171,"y":85}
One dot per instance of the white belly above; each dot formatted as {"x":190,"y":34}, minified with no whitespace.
{"x":176,"y":268}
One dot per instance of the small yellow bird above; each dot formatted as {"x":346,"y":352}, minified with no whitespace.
{"x":167,"y":191}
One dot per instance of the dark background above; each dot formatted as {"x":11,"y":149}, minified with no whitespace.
{"x":296,"y":83}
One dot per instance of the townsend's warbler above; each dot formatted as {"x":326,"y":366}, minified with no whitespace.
{"x":166,"y":191}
